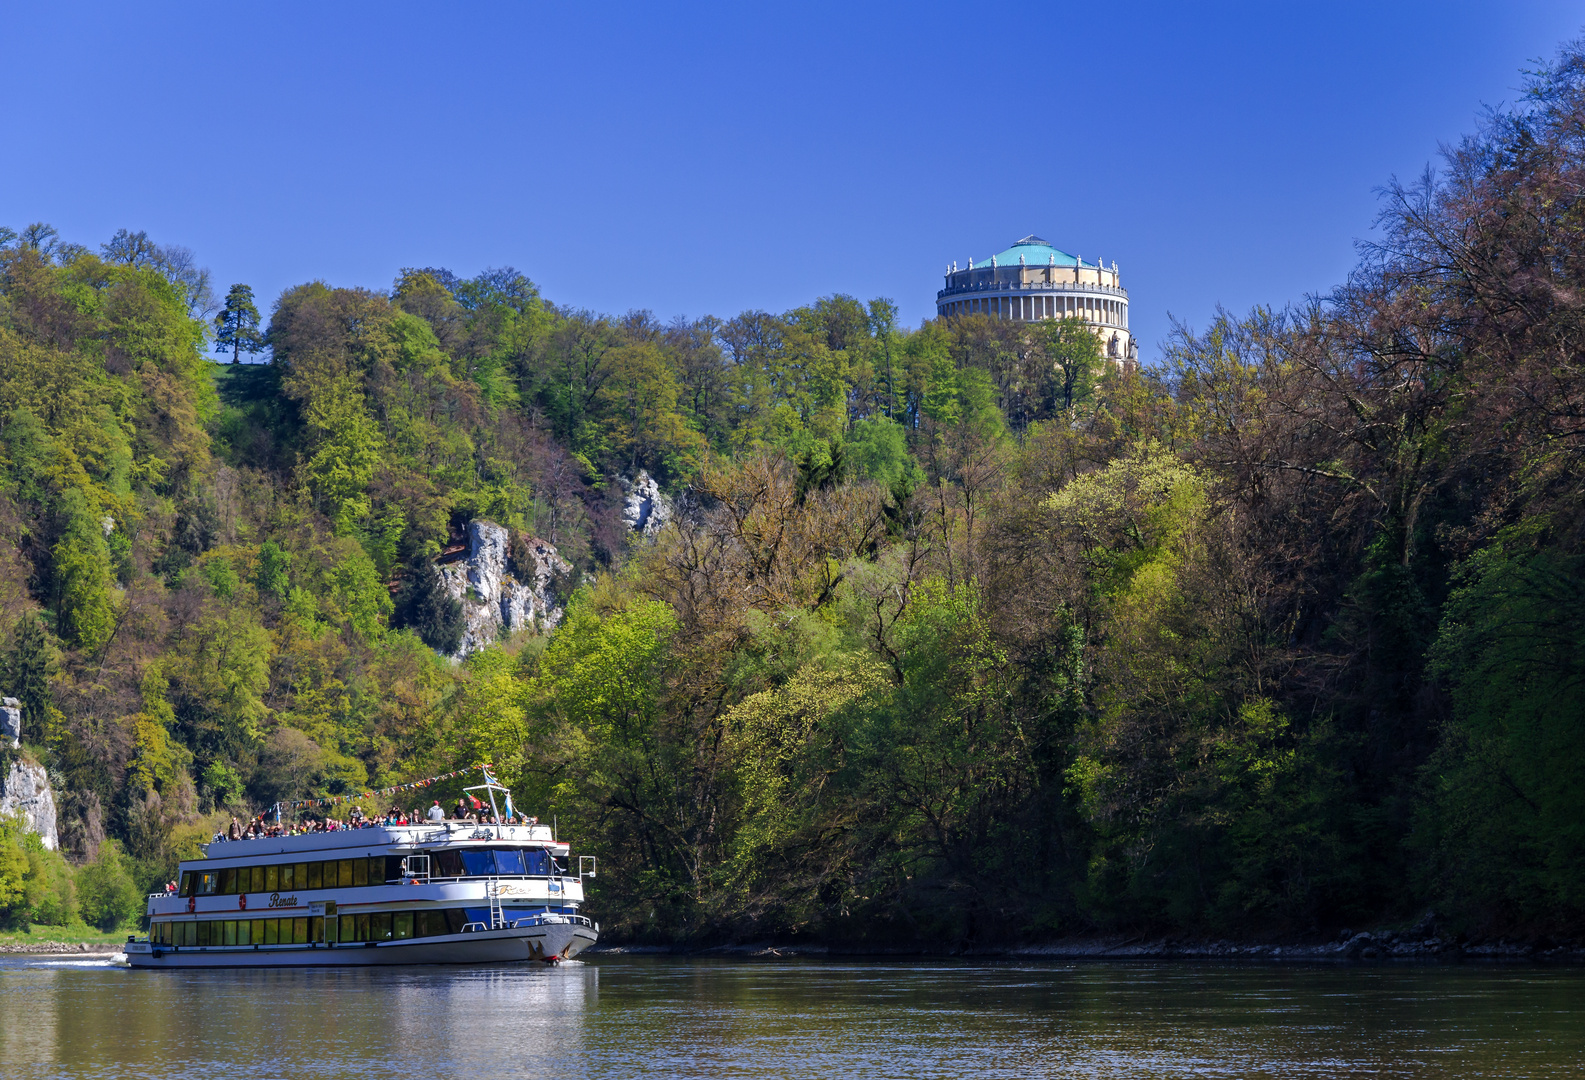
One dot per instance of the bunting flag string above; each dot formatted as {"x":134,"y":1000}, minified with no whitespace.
{"x":332,"y":800}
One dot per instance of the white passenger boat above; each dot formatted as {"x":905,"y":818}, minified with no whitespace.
{"x":448,"y":892}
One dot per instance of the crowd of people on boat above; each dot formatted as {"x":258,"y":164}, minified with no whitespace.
{"x":257,"y":827}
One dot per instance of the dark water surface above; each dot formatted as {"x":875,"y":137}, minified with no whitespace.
{"x":650,"y":1017}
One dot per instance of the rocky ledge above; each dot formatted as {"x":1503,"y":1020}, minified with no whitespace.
{"x":495,"y":601}
{"x":61,"y":948}
{"x":25,"y":790}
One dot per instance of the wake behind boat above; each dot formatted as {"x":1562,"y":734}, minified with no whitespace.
{"x":440,"y":892}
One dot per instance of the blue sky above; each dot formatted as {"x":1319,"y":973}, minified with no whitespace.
{"x":712,"y":158}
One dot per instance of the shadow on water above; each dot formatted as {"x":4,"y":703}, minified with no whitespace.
{"x":643,"y":1016}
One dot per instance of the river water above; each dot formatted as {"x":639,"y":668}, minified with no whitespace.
{"x":620,"y":1016}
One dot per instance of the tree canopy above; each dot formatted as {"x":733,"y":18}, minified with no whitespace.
{"x":960,"y":633}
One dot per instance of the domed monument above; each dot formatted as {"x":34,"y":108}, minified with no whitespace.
{"x":1032,"y":280}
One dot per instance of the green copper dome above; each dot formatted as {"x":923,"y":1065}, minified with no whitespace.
{"x":1036,"y":252}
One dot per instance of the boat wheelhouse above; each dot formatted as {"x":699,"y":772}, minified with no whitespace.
{"x":447,"y":892}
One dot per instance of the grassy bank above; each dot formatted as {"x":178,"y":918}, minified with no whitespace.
{"x":60,"y":935}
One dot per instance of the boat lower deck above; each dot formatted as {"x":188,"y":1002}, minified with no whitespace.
{"x":545,"y":941}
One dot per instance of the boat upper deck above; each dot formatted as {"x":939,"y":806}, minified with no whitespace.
{"x":373,"y":840}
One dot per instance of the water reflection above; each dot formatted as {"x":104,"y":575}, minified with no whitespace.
{"x":664,"y":1017}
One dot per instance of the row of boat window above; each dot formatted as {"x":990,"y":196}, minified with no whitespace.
{"x":375,"y":870}
{"x":348,"y":929}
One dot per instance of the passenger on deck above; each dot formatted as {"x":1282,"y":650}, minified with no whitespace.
{"x":436,"y":813}
{"x":235,"y":833}
{"x":461,"y":813}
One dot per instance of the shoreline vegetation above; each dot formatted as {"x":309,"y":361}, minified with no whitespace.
{"x":950,"y":637}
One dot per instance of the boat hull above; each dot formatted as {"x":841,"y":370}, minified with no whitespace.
{"x":548,"y":942}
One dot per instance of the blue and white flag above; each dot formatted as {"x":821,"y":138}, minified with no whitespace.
{"x":509,"y":811}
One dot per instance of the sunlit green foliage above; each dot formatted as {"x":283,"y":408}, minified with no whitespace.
{"x":961,"y":633}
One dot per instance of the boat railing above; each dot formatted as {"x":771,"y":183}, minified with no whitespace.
{"x":437,"y":879}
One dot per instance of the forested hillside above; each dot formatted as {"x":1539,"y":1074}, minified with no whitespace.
{"x":957,"y":636}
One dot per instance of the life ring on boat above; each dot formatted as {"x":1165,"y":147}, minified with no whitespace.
{"x":192,"y":904}
{"x":242,"y":901}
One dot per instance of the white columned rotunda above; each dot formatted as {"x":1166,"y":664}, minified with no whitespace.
{"x":1033,"y":280}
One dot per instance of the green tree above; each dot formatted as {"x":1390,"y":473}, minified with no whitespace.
{"x":237,"y":324}
{"x":107,"y":893}
{"x":25,"y":672}
{"x":1501,"y":829}
{"x":49,"y":889}
{"x":273,"y":574}
{"x":1072,"y":352}
{"x":425,"y":607}
{"x":84,"y":602}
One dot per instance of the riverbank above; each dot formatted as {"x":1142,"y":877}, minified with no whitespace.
{"x":62,"y":940}
{"x":1365,"y":945}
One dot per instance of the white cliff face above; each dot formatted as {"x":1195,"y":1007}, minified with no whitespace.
{"x":11,"y":720}
{"x":494,"y":602}
{"x":27,"y":791}
{"x":645,"y":508}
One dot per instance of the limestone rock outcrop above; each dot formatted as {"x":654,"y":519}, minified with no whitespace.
{"x":11,"y":720}
{"x":495,"y":601}
{"x":27,"y":791}
{"x":645,"y":508}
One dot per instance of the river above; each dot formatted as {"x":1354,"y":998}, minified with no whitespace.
{"x":624,"y":1016}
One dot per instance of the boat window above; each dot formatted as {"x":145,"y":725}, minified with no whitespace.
{"x":447,"y":863}
{"x":258,"y":879}
{"x":360,"y":871}
{"x":348,"y":929}
{"x":538,"y":861}
{"x":272,"y":878}
{"x":478,"y":863}
{"x":315,"y":875}
{"x":228,"y":881}
{"x":509,"y":862}
{"x":187,"y":884}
